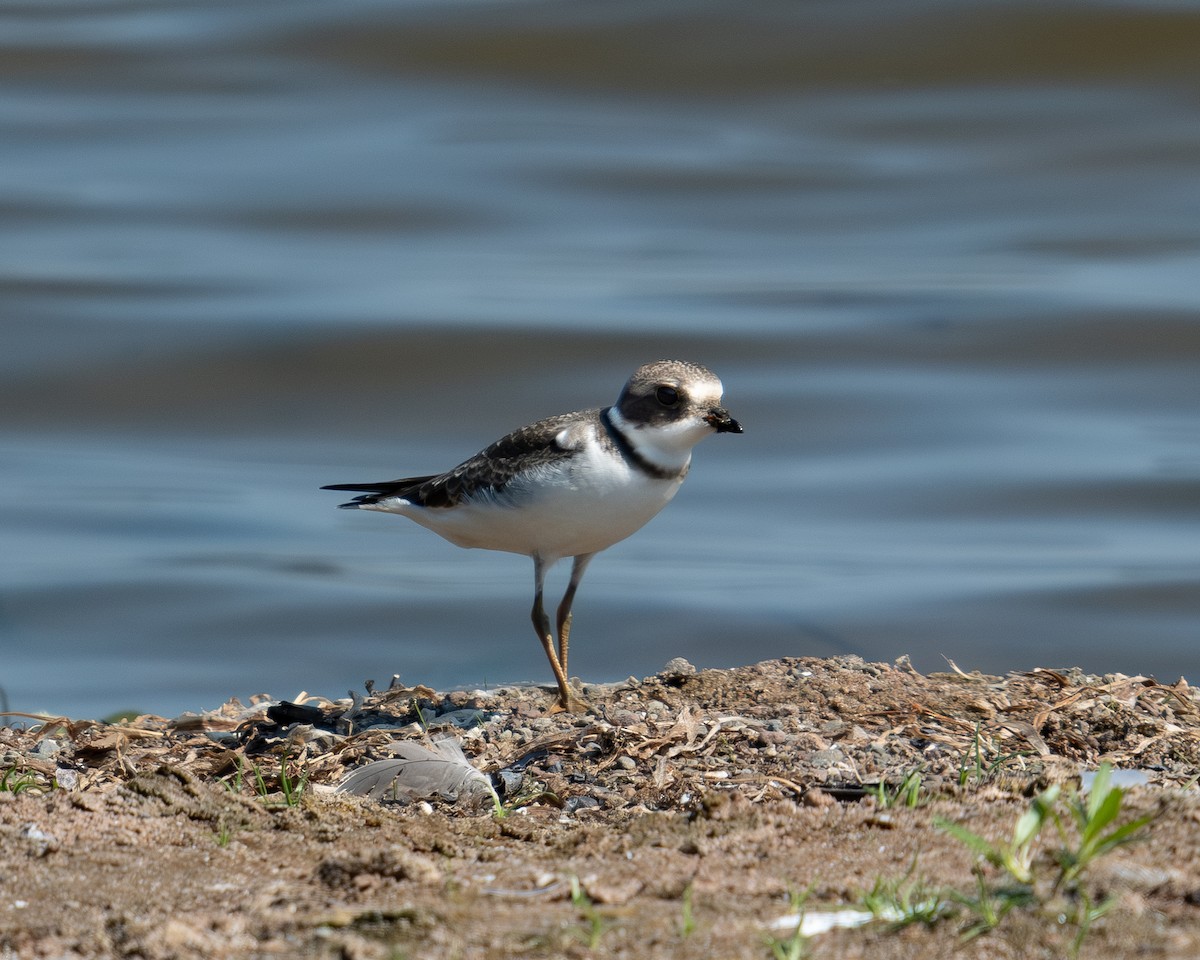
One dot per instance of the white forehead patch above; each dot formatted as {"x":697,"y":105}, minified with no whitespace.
{"x":707,"y":391}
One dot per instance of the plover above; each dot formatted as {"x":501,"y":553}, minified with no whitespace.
{"x":567,"y":486}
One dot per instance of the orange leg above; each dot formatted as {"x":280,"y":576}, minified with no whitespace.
{"x":541,"y":624}
{"x":564,"y":608}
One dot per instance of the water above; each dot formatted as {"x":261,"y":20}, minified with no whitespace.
{"x":944,"y":257}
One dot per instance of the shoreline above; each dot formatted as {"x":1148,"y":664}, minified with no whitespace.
{"x":676,"y":817}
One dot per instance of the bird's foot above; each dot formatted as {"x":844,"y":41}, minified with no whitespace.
{"x":573,"y":705}
{"x":569,"y":702}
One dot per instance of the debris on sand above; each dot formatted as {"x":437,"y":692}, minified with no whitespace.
{"x":694,"y":799}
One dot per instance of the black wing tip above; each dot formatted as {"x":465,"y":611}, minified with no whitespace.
{"x":370,"y":493}
{"x":364,"y":501}
{"x":408,"y":488}
{"x":374,"y":495}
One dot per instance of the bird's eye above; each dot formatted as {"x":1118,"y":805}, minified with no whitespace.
{"x":667,"y":396}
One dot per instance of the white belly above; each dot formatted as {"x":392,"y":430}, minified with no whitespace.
{"x":566,"y":510}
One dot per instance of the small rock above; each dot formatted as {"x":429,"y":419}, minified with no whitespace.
{"x":575,"y":804}
{"x":827,"y":758}
{"x":46,"y":748}
{"x":677,"y":668}
{"x":464,"y":718}
{"x":526,"y":710}
{"x":626,"y":763}
{"x":511,"y":781}
{"x":40,"y":842}
{"x":31,"y":831}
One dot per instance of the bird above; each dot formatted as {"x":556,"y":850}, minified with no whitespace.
{"x":567,"y":486}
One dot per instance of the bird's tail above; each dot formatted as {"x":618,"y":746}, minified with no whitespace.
{"x":374,"y":492}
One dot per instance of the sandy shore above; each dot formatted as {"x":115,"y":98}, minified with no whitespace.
{"x":683,"y":815}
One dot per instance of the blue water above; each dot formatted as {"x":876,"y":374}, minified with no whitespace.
{"x":946,"y":266}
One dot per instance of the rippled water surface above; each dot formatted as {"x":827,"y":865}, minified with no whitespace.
{"x":945,"y":257}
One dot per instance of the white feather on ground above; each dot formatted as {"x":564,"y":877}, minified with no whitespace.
{"x":440,"y":770}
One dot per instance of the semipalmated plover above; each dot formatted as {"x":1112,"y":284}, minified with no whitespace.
{"x":568,"y":486}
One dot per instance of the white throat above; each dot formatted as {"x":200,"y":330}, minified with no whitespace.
{"x":666,"y":446}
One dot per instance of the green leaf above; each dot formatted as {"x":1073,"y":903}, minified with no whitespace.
{"x":1104,"y":811}
{"x":1048,"y":798}
{"x":1122,"y":834}
{"x":1029,"y":826}
{"x":973,"y":840}
{"x":1100,"y":789}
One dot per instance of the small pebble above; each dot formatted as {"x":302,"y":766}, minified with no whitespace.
{"x":46,"y":748}
{"x":40,"y":842}
{"x":66,"y":778}
{"x":574,"y":804}
{"x":827,"y":758}
{"x":511,"y":781}
{"x":677,"y":667}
